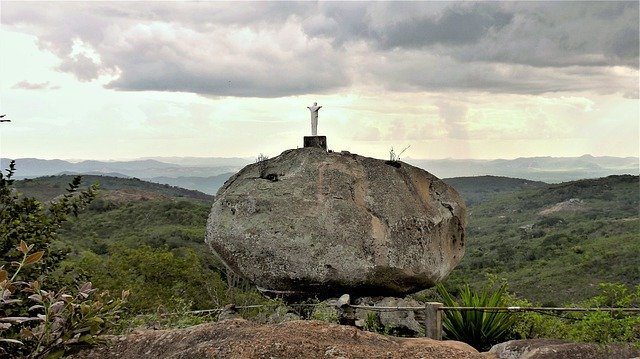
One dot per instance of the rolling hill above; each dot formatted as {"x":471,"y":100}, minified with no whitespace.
{"x":49,"y":187}
{"x":553,"y":242}
{"x":206,"y":174}
{"x":479,"y":189}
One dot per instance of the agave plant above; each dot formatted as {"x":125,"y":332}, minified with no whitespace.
{"x":478,"y":328}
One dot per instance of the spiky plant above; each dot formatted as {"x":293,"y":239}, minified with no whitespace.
{"x":478,"y":328}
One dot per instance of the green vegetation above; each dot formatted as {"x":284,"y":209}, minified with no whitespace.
{"x":554,"y":244}
{"x":588,"y":235}
{"x":373,"y":324}
{"x":480,"y":329}
{"x":47,"y":188}
{"x":39,"y":317}
{"x":476,"y":190}
{"x":593,"y":327}
{"x":154,"y":247}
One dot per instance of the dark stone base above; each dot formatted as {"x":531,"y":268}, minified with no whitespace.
{"x":316,"y":141}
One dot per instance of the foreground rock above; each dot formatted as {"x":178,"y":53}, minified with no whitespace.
{"x":315,"y":223}
{"x":560,"y":349}
{"x":298,"y":339}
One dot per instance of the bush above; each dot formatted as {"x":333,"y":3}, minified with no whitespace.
{"x":156,"y":277}
{"x":27,"y":219}
{"x":592,"y":327}
{"x":50,"y":323}
{"x":38,"y":318}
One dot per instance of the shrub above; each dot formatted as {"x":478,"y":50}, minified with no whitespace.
{"x":326,"y":313}
{"x":57,"y":322}
{"x":156,"y":277}
{"x":372,"y":323}
{"x":594,"y":326}
{"x":27,"y":219}
{"x":38,"y":317}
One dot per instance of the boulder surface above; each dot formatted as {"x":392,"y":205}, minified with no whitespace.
{"x":309,"y":222}
{"x":297,"y":339}
{"x":561,"y":349}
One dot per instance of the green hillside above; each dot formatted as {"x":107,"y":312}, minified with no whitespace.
{"x":153,"y":247}
{"x":141,"y":236}
{"x":555,"y":244}
{"x":478,"y":189}
{"x":49,"y":187}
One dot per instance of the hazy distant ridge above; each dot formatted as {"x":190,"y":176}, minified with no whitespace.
{"x":546,"y":169}
{"x":147,"y":168}
{"x":208,"y":174}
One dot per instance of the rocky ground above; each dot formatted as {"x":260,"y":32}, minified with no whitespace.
{"x":238,"y":338}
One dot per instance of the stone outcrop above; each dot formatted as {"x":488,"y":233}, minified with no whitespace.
{"x":310,"y":222}
{"x":561,"y":349}
{"x":242,"y":339}
{"x":238,"y":338}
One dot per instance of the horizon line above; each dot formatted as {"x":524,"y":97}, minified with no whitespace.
{"x":143,"y":158}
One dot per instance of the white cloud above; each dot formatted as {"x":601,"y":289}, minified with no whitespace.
{"x":26,"y":85}
{"x":450,"y":79}
{"x":283,"y":49}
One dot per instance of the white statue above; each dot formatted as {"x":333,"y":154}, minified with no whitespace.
{"x":314,"y":118}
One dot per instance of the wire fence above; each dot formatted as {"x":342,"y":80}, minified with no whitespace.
{"x":431,"y":312}
{"x":400,"y":308}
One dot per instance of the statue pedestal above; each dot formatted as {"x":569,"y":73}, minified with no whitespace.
{"x":316,"y":141}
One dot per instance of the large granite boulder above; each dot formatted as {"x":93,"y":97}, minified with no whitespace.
{"x":310,"y":222}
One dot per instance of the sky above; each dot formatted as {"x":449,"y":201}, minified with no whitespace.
{"x":472,"y":80}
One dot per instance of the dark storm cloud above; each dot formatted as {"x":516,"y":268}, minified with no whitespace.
{"x":455,"y":26}
{"x":532,"y":33}
{"x":273,"y":49}
{"x":410,"y":71}
{"x":545,"y":34}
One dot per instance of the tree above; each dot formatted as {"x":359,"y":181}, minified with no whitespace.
{"x":29,"y":220}
{"x":39,"y":319}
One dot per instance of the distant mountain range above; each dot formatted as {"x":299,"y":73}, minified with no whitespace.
{"x":208,"y":174}
{"x":545,"y":169}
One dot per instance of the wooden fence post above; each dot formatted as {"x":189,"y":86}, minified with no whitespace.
{"x":433,"y":320}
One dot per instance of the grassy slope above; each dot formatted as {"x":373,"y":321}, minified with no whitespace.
{"x":476,"y":190}
{"x":158,"y":223}
{"x":556,"y":259}
{"x":47,"y":188}
{"x":160,"y":216}
{"x":559,"y":257}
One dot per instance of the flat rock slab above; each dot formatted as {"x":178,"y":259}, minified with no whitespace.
{"x":320,"y":224}
{"x":297,"y":339}
{"x":560,"y":349}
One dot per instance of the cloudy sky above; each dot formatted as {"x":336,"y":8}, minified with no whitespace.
{"x":116,"y":80}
